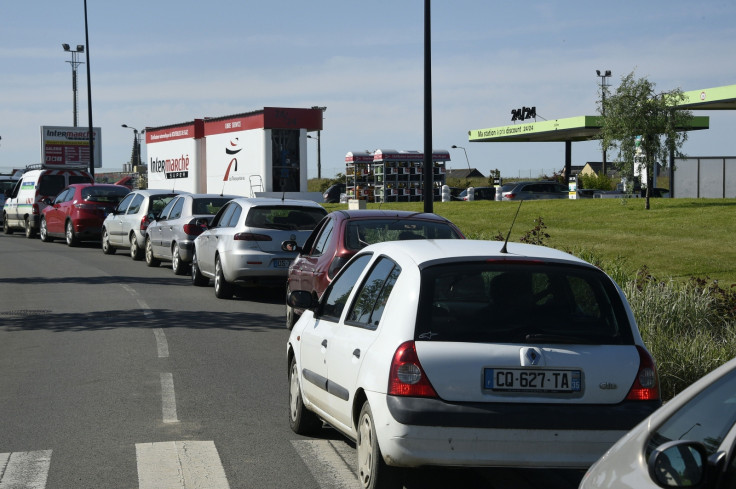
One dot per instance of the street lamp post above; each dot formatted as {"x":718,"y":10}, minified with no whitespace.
{"x":135,"y":159}
{"x":319,"y":142}
{"x":74,"y":62}
{"x":466,"y":155}
{"x":604,"y":85}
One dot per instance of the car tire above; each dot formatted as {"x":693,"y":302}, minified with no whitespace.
{"x":151,"y":260}
{"x":30,"y":233}
{"x":6,"y":227}
{"x":107,"y":248}
{"x":71,"y":237}
{"x":179,"y":267}
{"x":43,"y":232}
{"x":197,"y":278}
{"x":301,"y":420}
{"x":136,"y":252}
{"x":372,"y":469}
{"x":223,"y":289}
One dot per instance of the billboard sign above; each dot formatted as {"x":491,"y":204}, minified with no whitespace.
{"x":64,"y":145}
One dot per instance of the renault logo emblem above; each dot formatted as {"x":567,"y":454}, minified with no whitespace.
{"x":533,"y":356}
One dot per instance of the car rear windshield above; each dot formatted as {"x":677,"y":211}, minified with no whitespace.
{"x":104,"y":194}
{"x":208,"y":206}
{"x":363,"y":232}
{"x":285,"y":217}
{"x":519,"y":302}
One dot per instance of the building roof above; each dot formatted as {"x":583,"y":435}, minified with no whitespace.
{"x":464,"y":173}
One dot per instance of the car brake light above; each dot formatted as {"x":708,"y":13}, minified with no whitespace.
{"x":646,"y":384}
{"x":144,"y":223}
{"x":252,"y":237}
{"x":407,"y":378}
{"x":509,"y":195}
{"x":193,"y":229}
{"x":34,"y":208}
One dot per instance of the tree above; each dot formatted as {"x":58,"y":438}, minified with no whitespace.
{"x":643,"y":126}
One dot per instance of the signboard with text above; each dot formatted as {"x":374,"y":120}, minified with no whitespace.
{"x":63,"y":145}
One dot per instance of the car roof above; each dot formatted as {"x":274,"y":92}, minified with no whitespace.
{"x":433,"y":251}
{"x":158,"y":191}
{"x":256,"y":201}
{"x":383,"y":214}
{"x":212,"y":196}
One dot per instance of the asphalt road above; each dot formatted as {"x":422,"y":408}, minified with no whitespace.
{"x":117,"y":375}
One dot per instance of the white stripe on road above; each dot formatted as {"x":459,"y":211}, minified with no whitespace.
{"x":161,"y":344}
{"x":24,"y":470}
{"x":141,"y":303}
{"x":168,"y":398}
{"x":332,"y":463}
{"x":180,"y":465}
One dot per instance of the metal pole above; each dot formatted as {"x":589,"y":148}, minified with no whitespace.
{"x":89,"y":99}
{"x":319,"y":154}
{"x":428,"y":160}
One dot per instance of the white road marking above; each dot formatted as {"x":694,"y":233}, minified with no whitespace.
{"x":180,"y":465}
{"x":24,"y":470}
{"x":168,"y":398}
{"x":332,"y":463}
{"x":161,"y":344}
{"x":141,"y":303}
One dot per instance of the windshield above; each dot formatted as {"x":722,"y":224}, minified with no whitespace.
{"x":104,"y":194}
{"x":363,"y":232}
{"x":285,"y":217}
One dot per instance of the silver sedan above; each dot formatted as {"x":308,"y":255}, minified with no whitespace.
{"x":243,"y":244}
{"x":171,"y":236}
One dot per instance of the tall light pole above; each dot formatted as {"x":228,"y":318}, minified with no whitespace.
{"x":466,"y":156}
{"x":319,"y":143}
{"x":135,"y":159}
{"x":604,"y":85}
{"x":74,"y":62}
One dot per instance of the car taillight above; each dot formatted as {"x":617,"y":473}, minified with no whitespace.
{"x":252,"y":237}
{"x":144,"y":223}
{"x":407,"y":378}
{"x":509,"y":195}
{"x":646,"y":384}
{"x":193,"y":229}
{"x":34,"y":208}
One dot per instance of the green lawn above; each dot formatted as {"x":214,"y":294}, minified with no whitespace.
{"x":676,"y":238}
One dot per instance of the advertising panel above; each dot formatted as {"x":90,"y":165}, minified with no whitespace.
{"x":63,"y":145}
{"x":172,"y":158}
{"x":236,"y":162}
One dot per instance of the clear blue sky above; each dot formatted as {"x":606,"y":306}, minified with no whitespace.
{"x":159,"y":62}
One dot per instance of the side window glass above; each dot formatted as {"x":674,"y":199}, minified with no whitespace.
{"x":309,"y":243}
{"x":225,"y":215}
{"x":324,"y":238}
{"x":124,"y":204}
{"x":176,"y":210}
{"x":235,"y":217}
{"x":371,"y":299}
{"x":165,"y":212}
{"x":337,"y":294}
{"x":135,"y":206}
{"x":60,"y":198}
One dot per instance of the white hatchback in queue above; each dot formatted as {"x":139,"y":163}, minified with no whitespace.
{"x":463,"y":353}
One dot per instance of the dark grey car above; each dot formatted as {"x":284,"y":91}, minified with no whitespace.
{"x":171,"y":236}
{"x":537,"y":190}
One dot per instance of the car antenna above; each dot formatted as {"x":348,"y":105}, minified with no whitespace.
{"x":283,"y":195}
{"x":503,"y":250}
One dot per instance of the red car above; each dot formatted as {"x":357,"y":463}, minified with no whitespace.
{"x":343,"y":233}
{"x":76,"y":214}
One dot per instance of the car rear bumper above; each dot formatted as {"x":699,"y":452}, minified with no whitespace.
{"x":251,"y":266}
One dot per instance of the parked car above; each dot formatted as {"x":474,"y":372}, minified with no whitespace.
{"x":126,"y":226}
{"x":503,"y":188}
{"x":333,"y":193}
{"x":688,"y":442}
{"x":7,"y":183}
{"x":171,"y":236}
{"x":23,"y":205}
{"x":479,"y":193}
{"x":536,"y":190}
{"x":461,"y":353}
{"x":77,"y":213}
{"x":341,"y":234}
{"x":243,"y":244}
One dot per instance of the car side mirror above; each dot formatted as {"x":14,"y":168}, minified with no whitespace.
{"x":301,"y":299}
{"x":290,"y":245}
{"x":678,"y":464}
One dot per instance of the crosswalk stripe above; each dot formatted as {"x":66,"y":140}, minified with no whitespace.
{"x":331,"y":463}
{"x":180,"y":465}
{"x":24,"y":470}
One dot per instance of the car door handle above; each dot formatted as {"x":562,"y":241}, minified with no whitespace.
{"x":356,"y":353}
{"x":324,"y":343}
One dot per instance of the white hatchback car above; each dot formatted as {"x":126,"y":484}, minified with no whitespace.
{"x":461,"y":353}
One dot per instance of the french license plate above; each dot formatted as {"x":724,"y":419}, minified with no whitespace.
{"x":282,"y":263}
{"x":528,"y":380}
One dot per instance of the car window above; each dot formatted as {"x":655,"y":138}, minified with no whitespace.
{"x":336,"y":295}
{"x":60,"y":198}
{"x":79,"y":179}
{"x":324,"y":238}
{"x":223,"y":218}
{"x":177,"y":208}
{"x":135,"y":206}
{"x":309,"y":243}
{"x":235,"y":216}
{"x":521,"y":303}
{"x":706,"y":418}
{"x":167,"y":210}
{"x":285,"y":217}
{"x":156,"y":204}
{"x":104,"y":194}
{"x":51,"y":184}
{"x":371,"y":299}
{"x":360,"y":233}
{"x":208,"y":206}
{"x":124,"y":203}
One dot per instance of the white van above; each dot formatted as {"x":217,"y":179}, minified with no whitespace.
{"x":23,"y":205}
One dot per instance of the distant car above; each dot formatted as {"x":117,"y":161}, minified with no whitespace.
{"x":126,"y":226}
{"x":503,"y":188}
{"x":243,"y":244}
{"x":333,"y":193}
{"x":171,"y":236}
{"x":7,"y":183}
{"x":479,"y":193}
{"x":77,"y":213}
{"x":463,"y":353}
{"x":536,"y":190}
{"x":688,"y":442}
{"x":343,"y":233}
